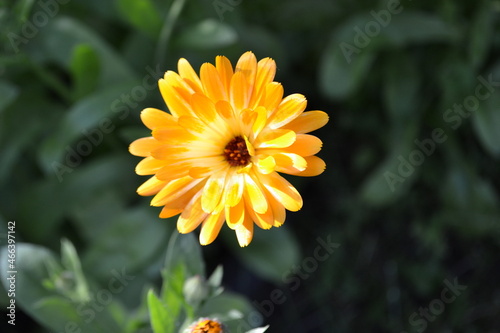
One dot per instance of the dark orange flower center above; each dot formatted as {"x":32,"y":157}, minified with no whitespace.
{"x":236,"y":152}
{"x":208,"y":326}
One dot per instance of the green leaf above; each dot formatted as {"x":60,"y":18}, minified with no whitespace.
{"x":162,"y":321}
{"x":418,"y":27}
{"x":340,"y":73}
{"x":401,"y":87}
{"x":172,"y":293}
{"x":270,"y":254}
{"x":85,"y":69}
{"x":9,"y":93}
{"x":71,"y":262}
{"x":22,"y":9}
{"x":141,"y":14}
{"x":185,"y":250}
{"x":207,"y":34}
{"x":486,"y":121}
{"x":91,"y":120}
{"x":481,"y":32}
{"x":31,"y":265}
{"x":61,"y":35}
{"x":395,"y":174}
{"x":128,"y":240}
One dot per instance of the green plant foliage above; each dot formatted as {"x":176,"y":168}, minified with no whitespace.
{"x":411,"y":192}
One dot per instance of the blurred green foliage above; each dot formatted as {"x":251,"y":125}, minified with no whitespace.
{"x":411,"y":191}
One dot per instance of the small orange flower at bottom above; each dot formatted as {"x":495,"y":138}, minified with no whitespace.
{"x":206,"y":326}
{"x":215,"y":157}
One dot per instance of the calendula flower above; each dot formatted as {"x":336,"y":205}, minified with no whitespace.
{"x":205,"y":325}
{"x":215,"y":157}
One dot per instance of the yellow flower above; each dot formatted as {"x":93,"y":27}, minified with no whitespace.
{"x":215,"y":157}
{"x":205,"y":325}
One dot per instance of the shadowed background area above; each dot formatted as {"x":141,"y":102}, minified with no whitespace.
{"x":401,"y":233}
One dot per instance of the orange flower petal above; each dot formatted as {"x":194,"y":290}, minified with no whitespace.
{"x":225,"y":69}
{"x":275,"y":139}
{"x":212,"y":83}
{"x":151,"y":186}
{"x":187,"y":72}
{"x":282,"y":191}
{"x":308,"y":122}
{"x":244,"y":232}
{"x":239,"y":92}
{"x":289,"y":109}
{"x":192,"y":216}
{"x":143,"y":146}
{"x":305,"y":145}
{"x":266,"y":69}
{"x":315,"y":166}
{"x":212,"y":191}
{"x":255,"y":195}
{"x":235,"y":215}
{"x":153,"y":118}
{"x":211,"y":227}
{"x":149,"y":166}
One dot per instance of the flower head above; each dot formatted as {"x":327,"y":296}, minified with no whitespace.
{"x":205,"y":325}
{"x":215,"y":157}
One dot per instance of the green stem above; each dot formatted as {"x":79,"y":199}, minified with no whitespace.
{"x":167,"y":29}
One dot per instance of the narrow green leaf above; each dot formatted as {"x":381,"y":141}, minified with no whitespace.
{"x":161,"y":320}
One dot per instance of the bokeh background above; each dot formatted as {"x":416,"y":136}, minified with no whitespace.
{"x":410,"y":197}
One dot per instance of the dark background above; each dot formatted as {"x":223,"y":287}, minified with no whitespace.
{"x":411,"y":190}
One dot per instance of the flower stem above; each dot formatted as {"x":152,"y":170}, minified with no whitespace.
{"x":167,"y":29}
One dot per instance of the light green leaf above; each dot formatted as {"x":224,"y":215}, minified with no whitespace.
{"x":85,"y":69}
{"x":162,"y":321}
{"x":141,"y":14}
{"x":207,"y":34}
